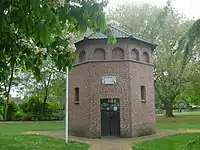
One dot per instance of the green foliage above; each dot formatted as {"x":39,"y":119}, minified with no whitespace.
{"x":1,"y":106}
{"x":1,"y":118}
{"x":191,"y":90}
{"x":31,"y":31}
{"x":57,"y":90}
{"x":31,"y":109}
{"x":19,"y":115}
{"x":12,"y":108}
{"x":190,"y":41}
{"x":35,"y":28}
{"x":194,"y":144}
{"x":34,"y":108}
{"x":166,"y":28}
{"x":53,"y":107}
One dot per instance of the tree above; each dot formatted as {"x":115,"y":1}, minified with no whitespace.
{"x":32,"y":30}
{"x":48,"y":75}
{"x":166,"y":28}
{"x":9,"y":80}
{"x":192,"y":92}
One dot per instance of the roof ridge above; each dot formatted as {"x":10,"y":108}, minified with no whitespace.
{"x":89,"y":34}
{"x":118,"y":32}
{"x":121,"y":30}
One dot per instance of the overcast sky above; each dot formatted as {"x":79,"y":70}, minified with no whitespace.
{"x":189,"y":7}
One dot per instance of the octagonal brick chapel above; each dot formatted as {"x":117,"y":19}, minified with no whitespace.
{"x":111,"y":89}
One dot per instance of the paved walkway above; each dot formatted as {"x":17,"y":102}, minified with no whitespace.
{"x":113,"y":143}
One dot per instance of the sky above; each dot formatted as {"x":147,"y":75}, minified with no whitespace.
{"x":188,"y":7}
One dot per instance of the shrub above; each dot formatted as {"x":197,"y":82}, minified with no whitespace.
{"x":2,"y":104}
{"x":53,"y":107}
{"x":19,"y":115}
{"x":1,"y":118}
{"x":32,"y":106}
{"x":58,"y":116}
{"x":24,"y":106}
{"x":32,"y":109}
{"x":1,"y":110}
{"x":12,"y":108}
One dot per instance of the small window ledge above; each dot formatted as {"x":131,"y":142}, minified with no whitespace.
{"x":76,"y":102}
{"x":143,"y":101}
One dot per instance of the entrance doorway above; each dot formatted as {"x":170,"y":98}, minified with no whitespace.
{"x":110,"y":117}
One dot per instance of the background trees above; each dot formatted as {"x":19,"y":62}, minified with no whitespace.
{"x":33,"y":30}
{"x":35,"y":49}
{"x":173,"y":58}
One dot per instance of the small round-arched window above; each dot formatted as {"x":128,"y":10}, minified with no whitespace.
{"x":82,"y":56}
{"x":99,"y":54}
{"x":146,"y":57}
{"x":118,"y":53}
{"x":135,"y":54}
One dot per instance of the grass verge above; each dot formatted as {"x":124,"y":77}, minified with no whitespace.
{"x":172,"y":142}
{"x":12,"y":139}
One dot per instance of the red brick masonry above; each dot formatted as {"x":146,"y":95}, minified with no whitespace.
{"x":136,"y":117}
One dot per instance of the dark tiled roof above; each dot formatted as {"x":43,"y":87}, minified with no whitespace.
{"x":117,"y":32}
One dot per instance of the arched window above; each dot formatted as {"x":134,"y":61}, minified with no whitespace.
{"x":118,"y":53}
{"x":99,"y":54}
{"x":146,"y":57}
{"x":82,"y":56}
{"x":135,"y":54}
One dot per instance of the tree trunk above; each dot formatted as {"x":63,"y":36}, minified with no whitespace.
{"x":6,"y":109}
{"x":8,"y":92}
{"x":169,"y":109}
{"x":44,"y":104}
{"x":46,"y":86}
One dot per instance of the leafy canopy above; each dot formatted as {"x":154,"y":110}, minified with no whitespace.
{"x":31,"y":30}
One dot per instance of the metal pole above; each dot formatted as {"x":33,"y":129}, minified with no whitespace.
{"x":66,"y":107}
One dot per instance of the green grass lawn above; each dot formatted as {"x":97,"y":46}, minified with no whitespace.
{"x":186,"y":120}
{"x":12,"y":139}
{"x":173,"y":142}
{"x":179,"y":122}
{"x":189,"y":113}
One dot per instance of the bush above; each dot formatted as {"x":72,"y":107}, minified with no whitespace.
{"x":1,"y":110}
{"x":1,"y":118}
{"x":19,"y":115}
{"x":58,"y":116}
{"x":12,"y":108}
{"x":52,"y":107}
{"x":31,"y":109}
{"x":2,"y":104}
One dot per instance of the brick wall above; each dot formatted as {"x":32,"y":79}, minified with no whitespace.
{"x":135,"y":116}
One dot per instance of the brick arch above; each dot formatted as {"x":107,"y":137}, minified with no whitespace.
{"x":146,"y":57}
{"x":82,"y":56}
{"x":99,"y":54}
{"x":135,"y":54}
{"x":117,"y":53}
